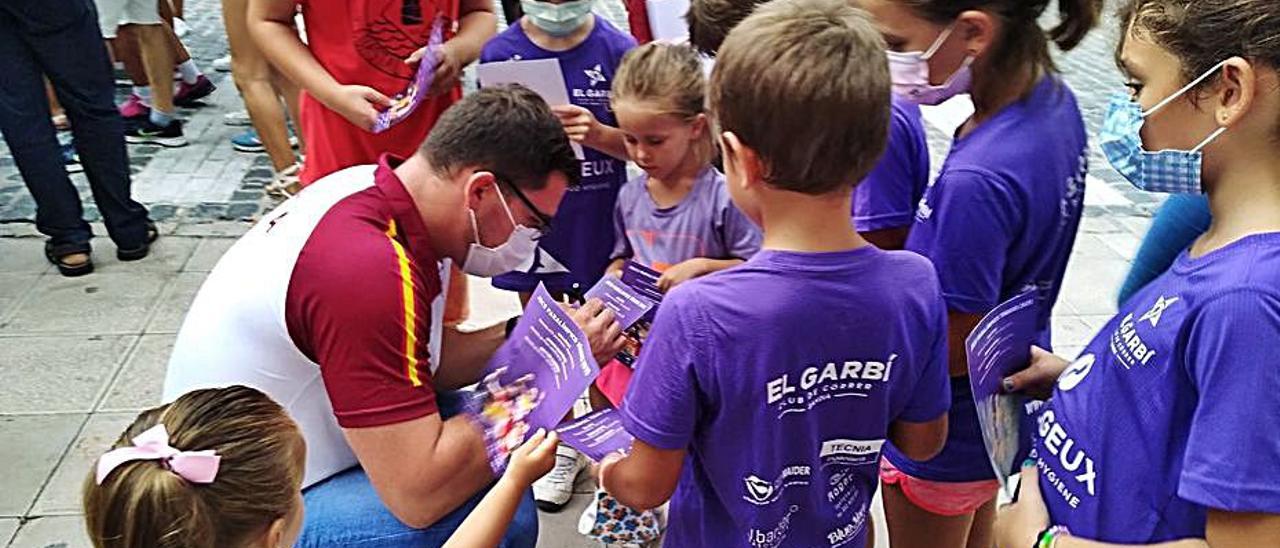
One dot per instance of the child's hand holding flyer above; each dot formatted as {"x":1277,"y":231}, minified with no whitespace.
{"x":403,"y":104}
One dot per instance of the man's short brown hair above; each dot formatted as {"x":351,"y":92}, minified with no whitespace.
{"x":711,"y":20}
{"x":508,"y":130}
{"x":805,"y":84}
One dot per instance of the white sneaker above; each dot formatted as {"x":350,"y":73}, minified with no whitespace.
{"x":554,"y":490}
{"x":237,"y":118}
{"x":180,"y":27}
{"x":222,"y":64}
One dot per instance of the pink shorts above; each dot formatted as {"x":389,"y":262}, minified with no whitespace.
{"x":613,"y":380}
{"x":940,"y":497}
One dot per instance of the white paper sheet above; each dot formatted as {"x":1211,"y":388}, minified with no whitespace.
{"x":543,"y":76}
{"x":666,"y":20}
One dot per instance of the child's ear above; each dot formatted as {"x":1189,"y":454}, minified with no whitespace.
{"x":274,"y":538}
{"x":978,"y":30}
{"x":741,"y":161}
{"x":1236,"y":91}
{"x":699,"y":125}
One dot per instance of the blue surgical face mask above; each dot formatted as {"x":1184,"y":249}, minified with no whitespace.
{"x":1171,"y":171}
{"x":557,"y":19}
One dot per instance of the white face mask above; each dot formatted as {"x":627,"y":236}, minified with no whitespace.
{"x":492,"y":261}
{"x":909,"y":72}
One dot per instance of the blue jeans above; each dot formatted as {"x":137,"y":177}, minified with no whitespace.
{"x":344,"y":510}
{"x":1181,"y":220}
{"x":60,"y":40}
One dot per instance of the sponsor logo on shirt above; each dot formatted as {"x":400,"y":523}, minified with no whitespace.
{"x":1076,"y":372}
{"x":599,"y":168}
{"x":923,"y":211}
{"x":816,"y":385}
{"x":848,"y":532}
{"x":774,"y":536}
{"x":1078,"y":466}
{"x":1127,"y":345}
{"x":1073,"y":198}
{"x":762,"y":493}
{"x":1157,"y":310}
{"x":840,"y":460}
{"x":595,"y":75}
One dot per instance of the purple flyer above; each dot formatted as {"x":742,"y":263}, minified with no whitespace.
{"x":999,"y":345}
{"x":548,"y":346}
{"x":404,"y":103}
{"x":597,"y":435}
{"x":625,"y":301}
{"x":643,"y":279}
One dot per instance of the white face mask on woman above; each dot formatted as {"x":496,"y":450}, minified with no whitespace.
{"x":492,"y":261}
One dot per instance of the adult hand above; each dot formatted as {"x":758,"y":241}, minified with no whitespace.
{"x":680,"y":273}
{"x":579,"y":124}
{"x":1019,"y":524}
{"x":602,"y":329}
{"x":358,"y":104}
{"x":1038,"y":379}
{"x":533,"y":459}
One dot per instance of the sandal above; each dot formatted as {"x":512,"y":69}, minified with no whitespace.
{"x":285,"y":183}
{"x":140,"y":252}
{"x":71,"y":259}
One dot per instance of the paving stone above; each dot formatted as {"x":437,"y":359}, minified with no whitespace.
{"x":12,"y":288}
{"x":53,"y":532}
{"x":8,"y":526}
{"x":30,"y":446}
{"x":207,"y":254}
{"x":58,"y":374}
{"x":168,"y":254}
{"x":106,"y":302}
{"x":1090,"y":286}
{"x":175,"y":302}
{"x":561,"y":528}
{"x":139,"y":384}
{"x":62,"y":494}
{"x":22,"y":255}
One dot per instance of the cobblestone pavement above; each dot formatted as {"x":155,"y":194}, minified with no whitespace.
{"x":81,"y":356}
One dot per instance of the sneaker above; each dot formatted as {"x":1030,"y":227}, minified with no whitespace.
{"x":71,"y":159}
{"x":237,"y":118}
{"x":133,"y":108}
{"x":286,"y":182}
{"x":249,"y":141}
{"x":222,"y":64}
{"x":180,"y":27}
{"x":553,"y":491}
{"x":147,"y":133}
{"x":188,"y":94}
{"x":121,"y":78}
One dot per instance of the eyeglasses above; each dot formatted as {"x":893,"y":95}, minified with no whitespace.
{"x":544,"y":220}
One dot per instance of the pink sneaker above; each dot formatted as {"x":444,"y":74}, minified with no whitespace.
{"x":189,"y":95}
{"x":133,"y":108}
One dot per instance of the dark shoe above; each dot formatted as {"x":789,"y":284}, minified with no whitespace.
{"x":147,"y":133}
{"x":188,"y":95}
{"x":71,"y":259}
{"x":140,"y":252}
{"x":70,"y":159}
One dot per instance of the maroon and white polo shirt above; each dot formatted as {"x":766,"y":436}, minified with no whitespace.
{"x":327,"y":305}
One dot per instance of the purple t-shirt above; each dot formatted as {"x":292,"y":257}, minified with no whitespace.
{"x":1001,"y":218}
{"x":780,"y":377}
{"x":578,"y":248}
{"x":887,"y":197}
{"x":1173,"y":408}
{"x":704,"y":224}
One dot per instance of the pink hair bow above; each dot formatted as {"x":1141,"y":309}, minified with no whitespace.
{"x":193,"y":466}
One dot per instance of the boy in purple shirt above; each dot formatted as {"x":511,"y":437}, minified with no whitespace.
{"x":589,"y":49}
{"x":1164,"y":431}
{"x":765,"y":391}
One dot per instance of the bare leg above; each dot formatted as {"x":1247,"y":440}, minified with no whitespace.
{"x":252,"y":75}
{"x":982,"y":533}
{"x":180,"y":53}
{"x":157,"y":58}
{"x":292,"y":101}
{"x":913,"y":527}
{"x":124,"y":47}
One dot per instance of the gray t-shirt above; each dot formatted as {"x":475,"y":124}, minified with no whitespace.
{"x":704,"y":224}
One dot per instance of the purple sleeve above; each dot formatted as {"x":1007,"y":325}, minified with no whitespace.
{"x":741,"y":237}
{"x":1233,"y":451}
{"x":887,"y":197}
{"x":661,"y":405}
{"x":931,"y":394}
{"x":974,"y":220}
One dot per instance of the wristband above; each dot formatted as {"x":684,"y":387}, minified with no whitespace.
{"x":1049,"y":537}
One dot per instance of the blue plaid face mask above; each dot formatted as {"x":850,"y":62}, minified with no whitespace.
{"x":1171,"y":171}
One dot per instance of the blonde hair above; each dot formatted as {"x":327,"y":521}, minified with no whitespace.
{"x":805,"y":85}
{"x":144,"y":504}
{"x":670,"y":77}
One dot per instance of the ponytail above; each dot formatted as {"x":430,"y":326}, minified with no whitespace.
{"x":1078,"y":18}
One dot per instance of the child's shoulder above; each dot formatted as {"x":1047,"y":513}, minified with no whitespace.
{"x":606,"y":31}
{"x":511,"y":41}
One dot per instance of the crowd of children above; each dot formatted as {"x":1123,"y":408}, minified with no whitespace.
{"x":801,"y":358}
